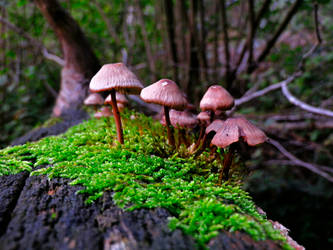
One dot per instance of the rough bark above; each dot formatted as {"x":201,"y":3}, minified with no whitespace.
{"x":38,"y":213}
{"x":80,"y":61}
{"x":48,"y":214}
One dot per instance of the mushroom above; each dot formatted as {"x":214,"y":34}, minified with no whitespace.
{"x":94,"y":100}
{"x":103,"y":112}
{"x":120,"y":98}
{"x":182,"y":120}
{"x":116,"y":77}
{"x":204,"y":120}
{"x":165,"y":92}
{"x":216,"y":98}
{"x":231,"y":131}
{"x":209,"y":134}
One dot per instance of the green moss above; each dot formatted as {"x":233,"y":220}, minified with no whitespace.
{"x":144,"y":173}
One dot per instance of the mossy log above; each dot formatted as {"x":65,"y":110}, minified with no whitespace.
{"x":41,"y":213}
{"x":37,"y":213}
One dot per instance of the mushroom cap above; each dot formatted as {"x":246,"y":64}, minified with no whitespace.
{"x":183,"y":119}
{"x":227,"y":134}
{"x":235,"y":128}
{"x":94,"y":99}
{"x":106,"y":111}
{"x":120,"y":98}
{"x":165,"y":92}
{"x":214,"y":126}
{"x":216,"y":98}
{"x":115,"y":76}
{"x":251,"y":134}
{"x":204,"y":118}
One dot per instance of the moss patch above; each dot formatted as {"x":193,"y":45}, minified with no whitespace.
{"x":144,"y":173}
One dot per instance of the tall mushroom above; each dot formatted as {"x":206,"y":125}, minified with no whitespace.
{"x":231,"y":131}
{"x":216,"y":99}
{"x":116,"y":77}
{"x":165,"y":92}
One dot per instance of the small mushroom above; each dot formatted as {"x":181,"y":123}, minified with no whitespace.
{"x":204,"y":120}
{"x":209,"y":134}
{"x":165,"y":92}
{"x":116,"y":77}
{"x":103,"y":112}
{"x":182,"y":120}
{"x":94,"y":100}
{"x":231,"y":131}
{"x":216,"y":98}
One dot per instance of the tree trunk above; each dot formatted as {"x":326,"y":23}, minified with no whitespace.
{"x":80,"y":61}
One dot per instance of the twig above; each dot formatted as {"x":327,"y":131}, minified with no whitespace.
{"x":261,"y":13}
{"x":149,"y":53}
{"x":251,"y":33}
{"x":38,"y":45}
{"x":304,"y":105}
{"x":297,"y":162}
{"x":264,"y":91}
{"x":301,"y":125}
{"x":271,"y":42}
{"x":291,"y":163}
{"x":226,"y":42}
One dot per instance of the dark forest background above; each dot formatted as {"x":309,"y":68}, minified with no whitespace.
{"x":245,"y":46}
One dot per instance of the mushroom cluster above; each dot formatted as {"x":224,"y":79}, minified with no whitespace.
{"x":115,"y":80}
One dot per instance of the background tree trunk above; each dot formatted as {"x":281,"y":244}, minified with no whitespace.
{"x":80,"y":61}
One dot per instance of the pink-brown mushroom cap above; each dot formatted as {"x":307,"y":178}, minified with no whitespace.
{"x":235,"y":128}
{"x":216,"y":98}
{"x":183,"y":119}
{"x":94,"y":99}
{"x":214,"y":126}
{"x":115,"y":76}
{"x":165,"y":92}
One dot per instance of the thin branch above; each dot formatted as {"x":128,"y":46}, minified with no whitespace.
{"x":303,"y":105}
{"x":271,"y":42}
{"x":292,"y":163}
{"x":146,"y":41}
{"x":226,"y":42}
{"x":301,"y":125}
{"x":35,"y":43}
{"x":266,"y":90}
{"x":106,"y":20}
{"x":251,"y":33}
{"x":297,"y":162}
{"x":260,"y":15}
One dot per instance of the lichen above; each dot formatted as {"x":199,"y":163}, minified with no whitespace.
{"x":144,"y":173}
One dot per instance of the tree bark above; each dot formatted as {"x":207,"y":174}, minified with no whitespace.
{"x":80,"y":61}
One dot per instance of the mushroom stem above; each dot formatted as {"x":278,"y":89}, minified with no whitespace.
{"x":171,"y":138}
{"x":201,"y":134}
{"x":117,"y":117}
{"x":212,"y":114}
{"x":205,"y":143}
{"x":183,"y":137}
{"x":227,"y":161}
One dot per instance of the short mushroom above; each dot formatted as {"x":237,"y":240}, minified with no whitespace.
{"x":182,"y":120}
{"x":165,"y":92}
{"x":103,"y":112}
{"x":116,"y":77}
{"x":230,"y":132}
{"x":94,"y":100}
{"x":204,"y":120}
{"x":216,"y":98}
